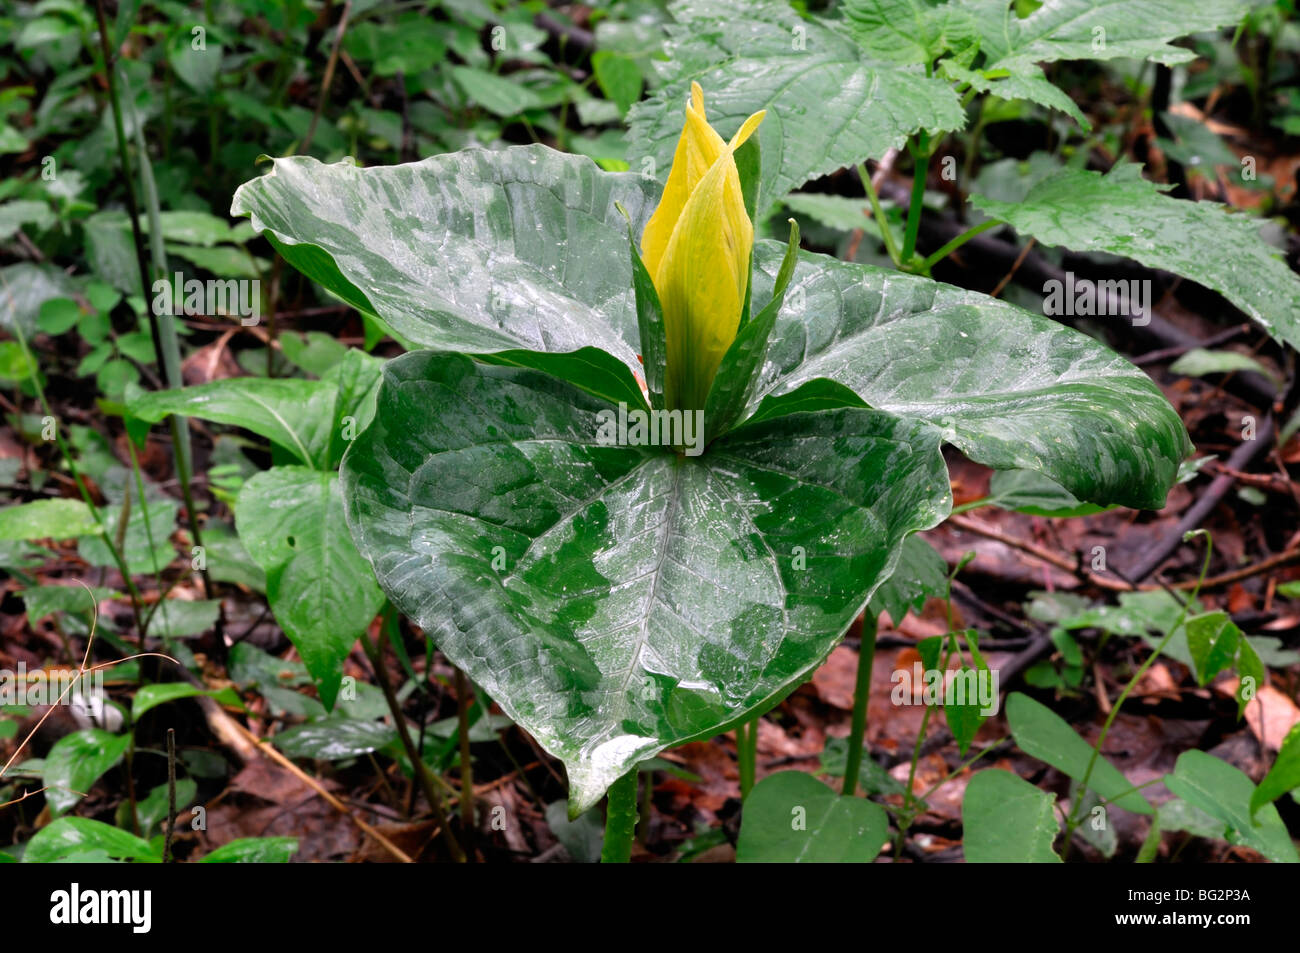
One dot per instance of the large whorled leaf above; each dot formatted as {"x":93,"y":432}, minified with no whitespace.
{"x":830,"y":102}
{"x":1015,"y":389}
{"x":617,"y":600}
{"x":474,"y":251}
{"x":1123,"y":214}
{"x":1012,"y":389}
{"x":320,"y":589}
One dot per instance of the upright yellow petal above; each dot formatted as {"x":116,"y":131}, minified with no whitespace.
{"x":701,"y":282}
{"x":697,"y":149}
{"x":696,"y":248}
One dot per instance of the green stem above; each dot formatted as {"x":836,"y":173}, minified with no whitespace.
{"x":620,"y":820}
{"x":423,"y":774}
{"x":922,"y":156}
{"x":1074,"y":818}
{"x":957,"y":242}
{"x":878,"y":214}
{"x":861,"y":694}
{"x":747,"y":755}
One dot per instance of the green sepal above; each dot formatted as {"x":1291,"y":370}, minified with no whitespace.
{"x":738,"y":372}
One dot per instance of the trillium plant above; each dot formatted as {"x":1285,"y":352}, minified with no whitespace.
{"x":639,"y":473}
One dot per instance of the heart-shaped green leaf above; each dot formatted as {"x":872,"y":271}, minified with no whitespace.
{"x":526,"y":248}
{"x":792,"y":818}
{"x":616,"y":600}
{"x":321,"y":591}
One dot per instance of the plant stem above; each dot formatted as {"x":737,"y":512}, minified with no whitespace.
{"x":1074,"y":819}
{"x":957,"y":242}
{"x":423,"y":774}
{"x":620,"y":820}
{"x":171,"y":795}
{"x":886,"y":232}
{"x":468,"y":821}
{"x":861,"y":694}
{"x":747,"y":755}
{"x":921,"y":153}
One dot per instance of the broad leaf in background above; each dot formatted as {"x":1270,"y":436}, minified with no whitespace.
{"x":1028,"y":492}
{"x":1006,"y":820}
{"x":1094,"y":29}
{"x":1123,"y":214}
{"x":254,"y":850}
{"x":1012,"y":389}
{"x":1283,"y":776}
{"x":830,"y":102}
{"x":1225,"y":793}
{"x":295,"y":414}
{"x":618,"y":600}
{"x":320,"y":589}
{"x":83,"y":840}
{"x":792,"y":818}
{"x":921,"y":573}
{"x":76,"y":762}
{"x":1045,"y":735}
{"x":474,"y":251}
{"x":42,"y":519}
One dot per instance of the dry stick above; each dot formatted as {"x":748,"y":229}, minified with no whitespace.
{"x":1198,"y":511}
{"x":171,"y":795}
{"x":267,"y":749}
{"x":1101,"y":582}
{"x":327,"y":79}
{"x":423,"y":773}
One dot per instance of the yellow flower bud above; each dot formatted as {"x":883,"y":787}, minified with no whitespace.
{"x":696,"y":249}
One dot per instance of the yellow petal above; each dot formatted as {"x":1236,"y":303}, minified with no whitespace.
{"x":697,"y":150}
{"x":701,"y":282}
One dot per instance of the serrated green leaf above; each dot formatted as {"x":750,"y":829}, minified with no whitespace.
{"x":322,"y":592}
{"x":1123,"y":214}
{"x":830,"y":102}
{"x":618,"y":600}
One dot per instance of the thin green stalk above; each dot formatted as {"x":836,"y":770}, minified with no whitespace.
{"x":179,"y":438}
{"x":423,"y":774}
{"x":861,"y":695}
{"x":957,"y":242}
{"x":468,"y":820}
{"x":921,"y":153}
{"x":171,"y":795}
{"x":747,"y":755}
{"x":886,"y":232}
{"x":620,"y":820}
{"x":1074,"y":818}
